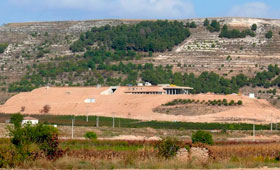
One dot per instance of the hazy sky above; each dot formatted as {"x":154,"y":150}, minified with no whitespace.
{"x":54,"y":10}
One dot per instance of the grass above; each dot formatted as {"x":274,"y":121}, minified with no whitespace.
{"x":133,"y":123}
{"x":102,"y":145}
{"x":89,"y":154}
{"x":68,"y":162}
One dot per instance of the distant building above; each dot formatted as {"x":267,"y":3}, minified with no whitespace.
{"x":163,"y":89}
{"x":30,"y":120}
{"x":251,"y":95}
{"x":148,"y":84}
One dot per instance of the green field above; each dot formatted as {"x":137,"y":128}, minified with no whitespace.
{"x":132,"y":123}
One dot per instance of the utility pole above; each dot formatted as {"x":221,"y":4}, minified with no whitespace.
{"x":73,"y":120}
{"x":97,"y":121}
{"x":87,"y":111}
{"x":276,"y":124}
{"x":271,"y":123}
{"x":254,"y":132}
{"x":113,"y":122}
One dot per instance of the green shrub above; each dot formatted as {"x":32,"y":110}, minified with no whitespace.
{"x":239,"y":102}
{"x":16,"y":119}
{"x":3,"y":47}
{"x":231,"y":102}
{"x":29,"y":140}
{"x":168,"y":147}
{"x":254,"y":27}
{"x":91,"y":135}
{"x":269,"y":34}
{"x":202,"y":137}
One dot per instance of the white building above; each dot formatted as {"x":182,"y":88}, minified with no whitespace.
{"x":30,"y":120}
{"x":251,"y":95}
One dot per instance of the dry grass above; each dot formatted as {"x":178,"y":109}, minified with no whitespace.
{"x":222,"y":152}
{"x":68,"y":162}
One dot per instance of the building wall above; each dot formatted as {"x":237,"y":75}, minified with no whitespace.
{"x":33,"y":122}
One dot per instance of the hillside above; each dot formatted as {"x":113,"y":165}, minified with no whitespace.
{"x":31,"y":44}
{"x":70,"y":101}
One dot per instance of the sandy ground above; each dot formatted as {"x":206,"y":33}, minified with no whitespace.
{"x":70,"y":101}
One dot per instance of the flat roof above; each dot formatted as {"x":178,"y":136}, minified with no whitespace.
{"x":177,"y":87}
{"x":29,"y":118}
{"x":144,"y":89}
{"x":154,"y":88}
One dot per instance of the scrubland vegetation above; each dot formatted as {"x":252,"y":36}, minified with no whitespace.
{"x":89,"y":154}
{"x":110,"y":52}
{"x":109,"y":47}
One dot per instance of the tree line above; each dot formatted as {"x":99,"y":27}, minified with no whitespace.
{"x":145,"y":36}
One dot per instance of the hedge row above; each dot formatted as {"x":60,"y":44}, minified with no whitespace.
{"x":219,"y":102}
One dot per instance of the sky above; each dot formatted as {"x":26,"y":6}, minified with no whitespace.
{"x":58,"y":10}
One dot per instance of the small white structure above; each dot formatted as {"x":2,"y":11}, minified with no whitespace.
{"x":251,"y":95}
{"x":148,"y":84}
{"x":140,"y":84}
{"x":30,"y":120}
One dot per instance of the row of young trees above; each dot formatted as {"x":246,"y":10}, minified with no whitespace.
{"x":145,"y":36}
{"x":219,"y":102}
{"x":235,"y":33}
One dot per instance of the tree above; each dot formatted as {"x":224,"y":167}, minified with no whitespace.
{"x":202,"y":137}
{"x":44,"y":137}
{"x":254,"y":27}
{"x":206,"y":22}
{"x":193,"y":25}
{"x":16,"y":119}
{"x":46,"y":109}
{"x":3,"y":47}
{"x":214,"y":26}
{"x":269,"y":35}
{"x":168,"y":147}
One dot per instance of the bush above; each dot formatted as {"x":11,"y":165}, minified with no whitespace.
{"x":254,"y":27}
{"x":214,"y":26}
{"x":91,"y":135}
{"x":239,"y":102}
{"x":16,"y":119}
{"x":168,"y":147}
{"x":3,"y":47}
{"x":29,"y":141}
{"x":206,"y":22}
{"x":193,"y":25}
{"x":269,"y":34}
{"x":202,"y":137}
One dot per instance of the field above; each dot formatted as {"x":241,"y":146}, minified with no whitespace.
{"x":133,"y":144}
{"x":134,"y":123}
{"x":87,"y":154}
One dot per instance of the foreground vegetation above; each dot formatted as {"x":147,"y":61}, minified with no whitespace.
{"x":90,"y":154}
{"x":37,"y":146}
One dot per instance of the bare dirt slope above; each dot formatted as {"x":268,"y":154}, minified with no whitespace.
{"x":70,"y":101}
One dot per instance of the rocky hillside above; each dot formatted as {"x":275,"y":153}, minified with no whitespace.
{"x":34,"y":43}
